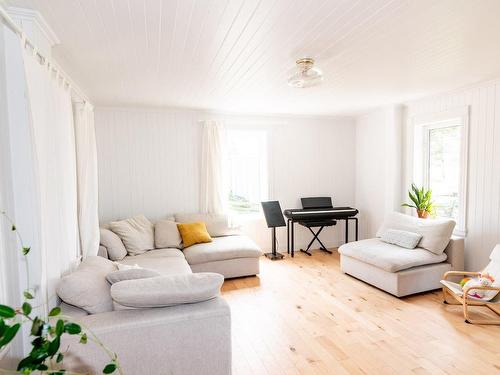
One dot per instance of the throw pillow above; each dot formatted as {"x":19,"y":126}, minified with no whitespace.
{"x":137,"y":234}
{"x":165,"y":291}
{"x":401,"y":238}
{"x":436,"y":233}
{"x":130,"y":274}
{"x":87,"y":287}
{"x":193,"y":233}
{"x":167,"y":235}
{"x":113,"y":244}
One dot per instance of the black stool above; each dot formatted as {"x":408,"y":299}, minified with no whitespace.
{"x":310,"y":225}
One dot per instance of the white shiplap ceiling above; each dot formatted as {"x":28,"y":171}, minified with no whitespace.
{"x":235,"y":55}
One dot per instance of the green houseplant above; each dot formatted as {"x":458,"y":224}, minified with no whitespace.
{"x":421,"y":201}
{"x":46,"y":355}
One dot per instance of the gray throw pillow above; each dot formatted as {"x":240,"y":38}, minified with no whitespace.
{"x":401,"y":238}
{"x":137,"y":234}
{"x":130,"y":274}
{"x":87,"y":287}
{"x":167,"y":235}
{"x":113,"y":244}
{"x":165,"y":291}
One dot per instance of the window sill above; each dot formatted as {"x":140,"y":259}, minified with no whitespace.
{"x":460,"y":233}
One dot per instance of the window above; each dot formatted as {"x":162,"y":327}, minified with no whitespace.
{"x":440,"y":163}
{"x":246,"y":170}
{"x":443,"y":171}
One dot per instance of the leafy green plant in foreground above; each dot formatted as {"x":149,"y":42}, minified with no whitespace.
{"x":46,"y":355}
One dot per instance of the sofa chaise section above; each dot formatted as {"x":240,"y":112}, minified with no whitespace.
{"x":231,"y":256}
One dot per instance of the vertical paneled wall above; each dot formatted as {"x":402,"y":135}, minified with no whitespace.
{"x":483,"y":188}
{"x":149,"y":159}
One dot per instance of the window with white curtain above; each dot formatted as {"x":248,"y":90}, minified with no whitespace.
{"x":246,"y":167}
{"x":441,"y":162}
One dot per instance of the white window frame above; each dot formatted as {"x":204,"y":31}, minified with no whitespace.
{"x":422,"y":125}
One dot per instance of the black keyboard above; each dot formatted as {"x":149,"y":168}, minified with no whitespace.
{"x":319,"y":214}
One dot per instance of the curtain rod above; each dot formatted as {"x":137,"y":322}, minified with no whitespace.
{"x":9,"y":22}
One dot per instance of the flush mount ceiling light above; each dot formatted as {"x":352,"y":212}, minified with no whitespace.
{"x":305,"y":74}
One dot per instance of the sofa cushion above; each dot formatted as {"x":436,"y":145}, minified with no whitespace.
{"x":436,"y":233}
{"x":193,"y":233}
{"x":217,"y":224}
{"x":401,"y":238}
{"x":87,"y":287}
{"x":165,"y":291}
{"x":131,"y":274}
{"x":165,"y":265}
{"x":113,"y":244}
{"x":137,"y":234}
{"x":167,"y":235}
{"x":222,"y":248}
{"x":390,"y":258}
{"x":162,"y":253}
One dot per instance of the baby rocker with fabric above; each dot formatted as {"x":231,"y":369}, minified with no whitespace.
{"x":477,"y":289}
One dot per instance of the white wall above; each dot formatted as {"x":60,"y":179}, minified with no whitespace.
{"x":378,"y":167}
{"x":483,"y":188}
{"x":378,"y":138}
{"x":149,"y":163}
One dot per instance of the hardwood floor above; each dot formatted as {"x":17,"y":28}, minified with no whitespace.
{"x":303,"y":316}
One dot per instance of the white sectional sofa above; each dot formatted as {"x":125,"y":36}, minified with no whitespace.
{"x":185,"y":338}
{"x":399,"y":270}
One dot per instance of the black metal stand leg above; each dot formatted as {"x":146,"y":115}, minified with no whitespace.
{"x":292,"y":250}
{"x":274,"y":255}
{"x":346,"y":230}
{"x":356,"y":220}
{"x":288,"y":236}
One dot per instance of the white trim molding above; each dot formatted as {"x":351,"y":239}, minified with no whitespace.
{"x":21,"y":15}
{"x":419,"y":123}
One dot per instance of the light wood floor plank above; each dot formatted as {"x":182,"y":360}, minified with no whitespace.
{"x":303,"y":316}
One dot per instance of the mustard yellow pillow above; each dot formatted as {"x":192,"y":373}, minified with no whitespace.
{"x":193,"y":233}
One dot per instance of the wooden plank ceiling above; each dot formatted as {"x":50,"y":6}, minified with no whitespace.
{"x":235,"y":55}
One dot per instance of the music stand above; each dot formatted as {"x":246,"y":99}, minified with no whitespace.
{"x":274,"y":219}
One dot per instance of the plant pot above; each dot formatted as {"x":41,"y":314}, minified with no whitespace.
{"x":423,"y":214}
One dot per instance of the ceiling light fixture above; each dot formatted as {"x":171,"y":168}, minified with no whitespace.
{"x":305,"y":74}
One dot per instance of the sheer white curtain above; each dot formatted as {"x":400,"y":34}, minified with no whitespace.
{"x":212,"y":185}
{"x":53,"y":143}
{"x":86,"y":157}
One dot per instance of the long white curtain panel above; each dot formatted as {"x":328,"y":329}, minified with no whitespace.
{"x":212,"y":183}
{"x":53,"y":143}
{"x":86,"y":158}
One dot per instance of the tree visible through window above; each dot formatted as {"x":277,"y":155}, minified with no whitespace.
{"x":444,"y":169}
{"x":246,"y":170}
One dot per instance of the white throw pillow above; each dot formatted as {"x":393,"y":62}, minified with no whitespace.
{"x":130,"y":274}
{"x":113,"y":244}
{"x":436,"y":233}
{"x":167,"y":235}
{"x":217,"y":224}
{"x":137,"y":234}
{"x":165,"y":291}
{"x":401,"y":238}
{"x":87,"y":287}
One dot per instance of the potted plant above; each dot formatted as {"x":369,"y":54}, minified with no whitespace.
{"x":422,"y":201}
